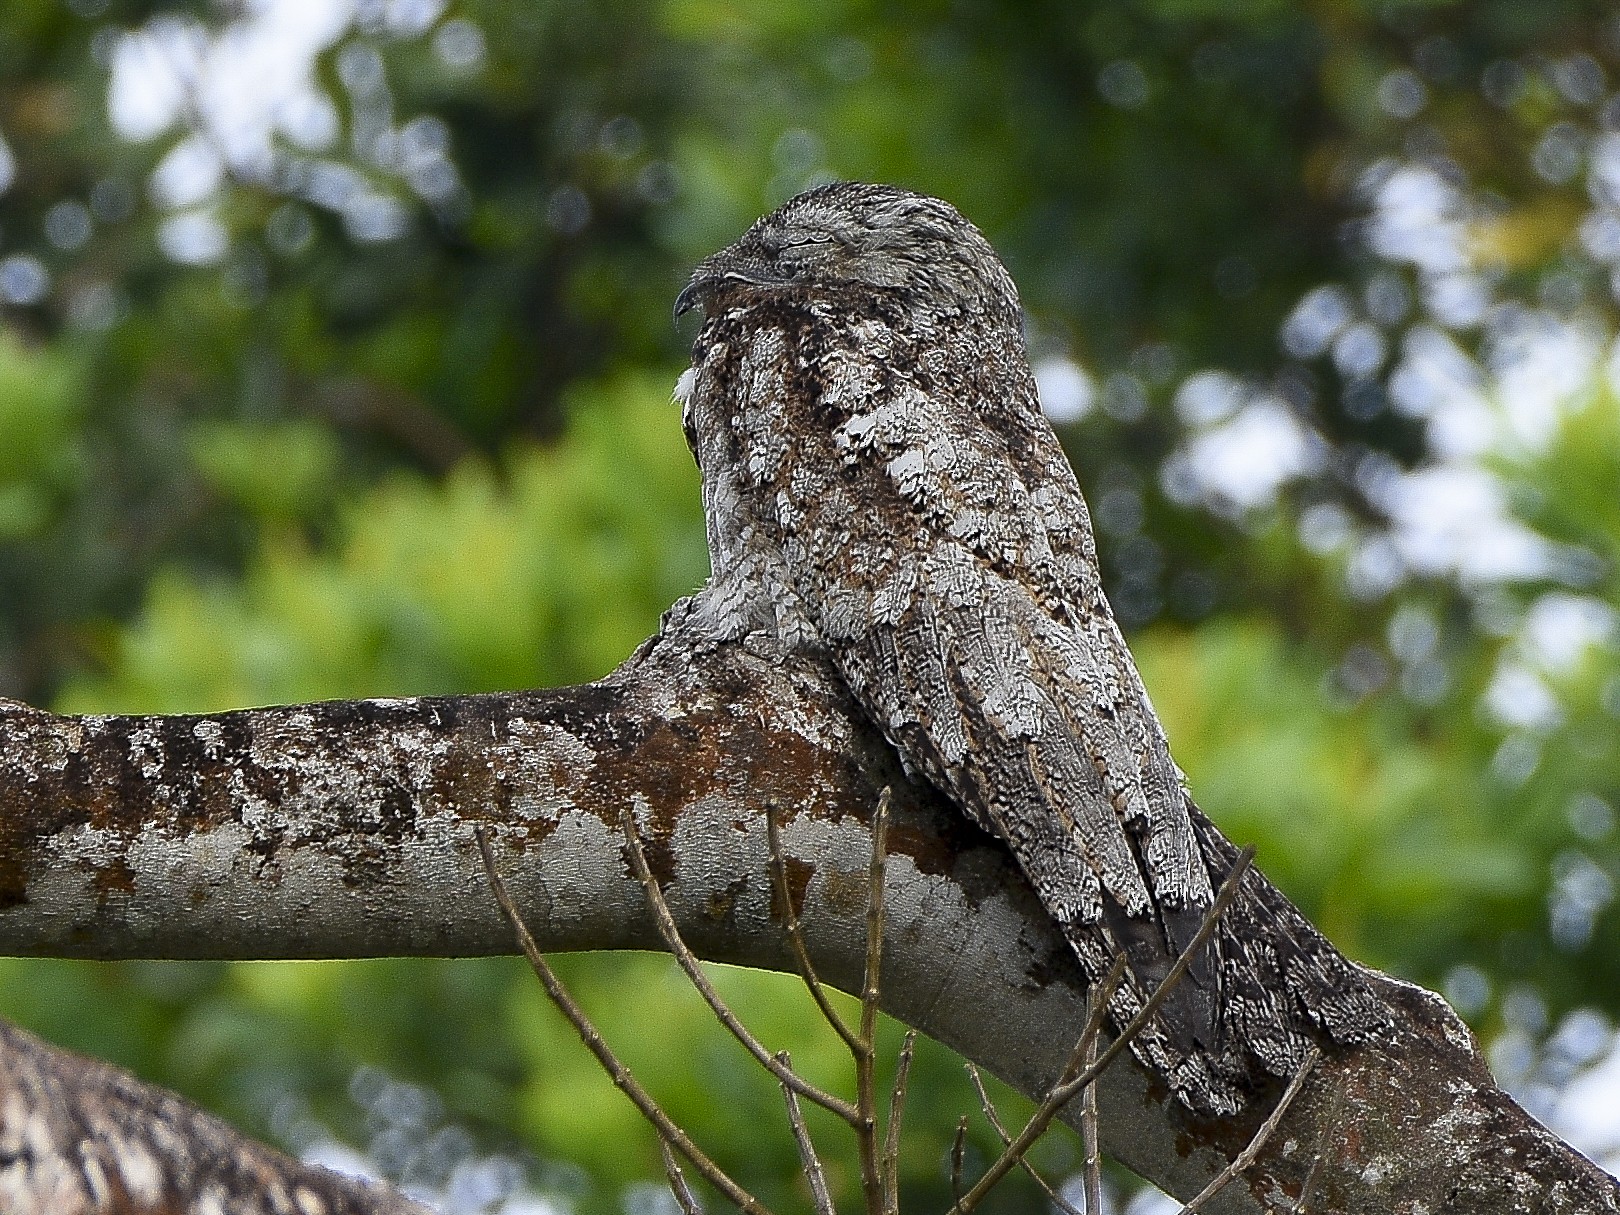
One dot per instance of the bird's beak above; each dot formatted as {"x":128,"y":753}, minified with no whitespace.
{"x":708,"y":274}
{"x":689,"y":299}
{"x":738,"y":263}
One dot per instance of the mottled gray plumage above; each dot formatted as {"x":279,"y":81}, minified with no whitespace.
{"x":879,"y":481}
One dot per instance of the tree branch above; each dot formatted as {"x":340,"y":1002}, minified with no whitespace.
{"x":345,"y":830}
{"x":78,"y":1137}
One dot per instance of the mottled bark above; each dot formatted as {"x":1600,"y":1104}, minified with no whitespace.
{"x":78,"y":1137}
{"x":345,"y":829}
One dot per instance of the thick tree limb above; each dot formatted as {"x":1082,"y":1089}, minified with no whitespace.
{"x":345,"y":829}
{"x":78,"y":1137}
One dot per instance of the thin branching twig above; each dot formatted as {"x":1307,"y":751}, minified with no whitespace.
{"x":1329,"y":1129}
{"x":866,"y":1145}
{"x":808,"y":1157}
{"x":993,"y":1117}
{"x":891,"y":1138}
{"x":958,"y":1155}
{"x":684,"y":1198}
{"x":689,"y":963}
{"x":862,"y":1041}
{"x":1090,"y":1128}
{"x":1096,"y":1010}
{"x":621,"y":1076}
{"x":1013,"y":1152}
{"x":1267,"y":1128}
{"x":1064,"y":1092}
{"x":790,"y":919}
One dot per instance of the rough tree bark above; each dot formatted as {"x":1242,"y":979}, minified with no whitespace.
{"x":78,"y":1136}
{"x":345,"y":829}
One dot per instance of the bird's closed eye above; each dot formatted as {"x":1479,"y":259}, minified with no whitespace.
{"x":807,"y":242}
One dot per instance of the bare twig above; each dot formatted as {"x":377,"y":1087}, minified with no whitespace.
{"x":1246,"y":1157}
{"x":699,"y":978}
{"x":891,"y":1138}
{"x":874,"y":917}
{"x":993,"y":1117}
{"x":684,"y":1198}
{"x":1089,"y":1129}
{"x":808,"y":1157}
{"x":594,"y":1042}
{"x":1014,"y":1150}
{"x":1329,"y":1129}
{"x":865,"y":1053}
{"x":1069,"y":1088}
{"x":790,"y":919}
{"x":958,"y":1155}
{"x":1096,"y":1010}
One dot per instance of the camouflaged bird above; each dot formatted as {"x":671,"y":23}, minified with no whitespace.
{"x":879,"y":481}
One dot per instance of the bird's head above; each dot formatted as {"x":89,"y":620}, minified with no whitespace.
{"x":855,"y":236}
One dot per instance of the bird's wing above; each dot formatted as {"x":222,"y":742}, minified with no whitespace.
{"x":972,"y":681}
{"x":986,"y":653}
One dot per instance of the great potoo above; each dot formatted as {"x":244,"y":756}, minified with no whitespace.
{"x":879,"y":482}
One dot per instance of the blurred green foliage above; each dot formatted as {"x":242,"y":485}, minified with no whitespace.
{"x":386,"y":411}
{"x":539,"y":568}
{"x":39,"y":403}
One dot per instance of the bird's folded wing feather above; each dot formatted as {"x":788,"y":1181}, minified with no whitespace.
{"x":963,"y":613}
